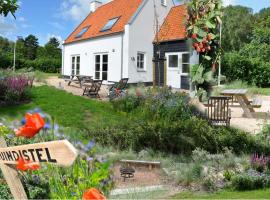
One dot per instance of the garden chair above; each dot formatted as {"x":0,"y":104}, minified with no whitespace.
{"x":92,"y":89}
{"x":118,"y":88}
{"x":218,"y":112}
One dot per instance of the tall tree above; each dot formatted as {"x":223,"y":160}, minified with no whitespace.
{"x":31,"y":46}
{"x":237,"y":27}
{"x":52,"y":48}
{"x":8,"y":6}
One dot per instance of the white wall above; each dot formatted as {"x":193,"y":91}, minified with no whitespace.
{"x":140,"y":36}
{"x":88,"y":48}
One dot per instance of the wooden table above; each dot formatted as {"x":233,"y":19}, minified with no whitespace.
{"x":240,"y":95}
{"x":78,"y":79}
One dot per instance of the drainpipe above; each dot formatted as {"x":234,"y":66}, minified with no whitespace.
{"x":63,"y":58}
{"x":122,"y":53}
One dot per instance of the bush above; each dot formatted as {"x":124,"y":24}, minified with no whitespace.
{"x":250,"y":181}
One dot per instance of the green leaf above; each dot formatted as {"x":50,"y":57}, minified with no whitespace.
{"x":202,"y":33}
{"x":209,"y":24}
{"x":207,"y":57}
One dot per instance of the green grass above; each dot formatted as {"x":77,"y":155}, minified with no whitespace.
{"x":67,"y":109}
{"x":254,"y":194}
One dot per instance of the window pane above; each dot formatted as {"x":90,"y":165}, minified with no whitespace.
{"x":105,"y":67}
{"x":185,"y":58}
{"x":97,"y":67}
{"x":97,"y":58}
{"x":105,"y":58}
{"x":97,"y":75}
{"x":185,"y":68}
{"x":173,"y":61}
{"x":104,"y":76}
{"x":80,"y":34}
{"x":110,"y":24}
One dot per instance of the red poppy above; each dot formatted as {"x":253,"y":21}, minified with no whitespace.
{"x":93,"y":194}
{"x":34,"y":122}
{"x":23,"y":165}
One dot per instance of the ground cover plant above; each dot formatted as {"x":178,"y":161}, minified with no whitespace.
{"x":88,"y":171}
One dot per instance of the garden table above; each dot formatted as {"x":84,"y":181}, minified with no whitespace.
{"x":240,"y":95}
{"x":78,"y":79}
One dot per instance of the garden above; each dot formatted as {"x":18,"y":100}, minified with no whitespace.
{"x":147,"y":124}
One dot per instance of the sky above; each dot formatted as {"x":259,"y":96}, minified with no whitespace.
{"x":58,"y":18}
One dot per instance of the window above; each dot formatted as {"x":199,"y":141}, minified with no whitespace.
{"x":80,"y":34}
{"x":75,"y":65}
{"x":185,"y":63}
{"x":110,"y":24}
{"x":101,"y":66}
{"x":173,"y":61}
{"x":140,"y":61}
{"x":164,"y":2}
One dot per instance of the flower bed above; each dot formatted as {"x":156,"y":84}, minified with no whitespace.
{"x":44,"y":181}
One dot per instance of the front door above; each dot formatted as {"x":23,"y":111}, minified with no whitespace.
{"x":101,"y":66}
{"x":178,"y":70}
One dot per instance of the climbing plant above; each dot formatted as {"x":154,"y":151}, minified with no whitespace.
{"x":203,"y":22}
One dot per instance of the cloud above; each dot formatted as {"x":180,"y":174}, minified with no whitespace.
{"x":57,"y":25}
{"x":75,"y":10}
{"x":7,"y":28}
{"x":21,"y":19}
{"x":229,"y":2}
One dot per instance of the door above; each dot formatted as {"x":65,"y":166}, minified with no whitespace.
{"x":178,"y":70}
{"x":101,"y":66}
{"x":75,"y":65}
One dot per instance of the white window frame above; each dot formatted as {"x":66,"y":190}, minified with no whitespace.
{"x":143,"y":69}
{"x":101,"y":66}
{"x":180,"y":62}
{"x":185,"y":74}
{"x":164,"y":2}
{"x":75,"y":64}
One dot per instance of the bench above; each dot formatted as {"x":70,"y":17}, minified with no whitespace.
{"x":150,"y":164}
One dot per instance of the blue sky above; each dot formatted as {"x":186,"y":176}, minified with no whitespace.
{"x":58,"y":18}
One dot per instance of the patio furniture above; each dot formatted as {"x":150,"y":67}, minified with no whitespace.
{"x":117,"y":88}
{"x":218,"y":112}
{"x":240,"y":96}
{"x":93,"y":88}
{"x":149,"y":164}
{"x":127,"y":172}
{"x":77,"y":79}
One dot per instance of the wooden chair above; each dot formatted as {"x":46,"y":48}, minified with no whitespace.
{"x":93,"y":89}
{"x":218,"y":112}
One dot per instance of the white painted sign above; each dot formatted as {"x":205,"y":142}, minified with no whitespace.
{"x":60,"y":153}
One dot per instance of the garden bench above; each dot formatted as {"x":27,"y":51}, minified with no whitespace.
{"x":77,"y":79}
{"x":150,"y":164}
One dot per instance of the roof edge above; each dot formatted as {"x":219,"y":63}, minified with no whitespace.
{"x":137,"y":12}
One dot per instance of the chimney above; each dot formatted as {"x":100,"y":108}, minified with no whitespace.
{"x":94,"y":5}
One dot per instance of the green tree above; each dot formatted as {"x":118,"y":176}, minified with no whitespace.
{"x":52,"y":48}
{"x":237,"y":27}
{"x":8,"y":6}
{"x":31,"y":45}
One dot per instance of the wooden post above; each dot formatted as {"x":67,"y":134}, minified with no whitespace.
{"x":154,"y":74}
{"x":12,"y":178}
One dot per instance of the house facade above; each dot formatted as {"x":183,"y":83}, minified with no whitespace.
{"x":172,"y":53}
{"x":115,"y":40}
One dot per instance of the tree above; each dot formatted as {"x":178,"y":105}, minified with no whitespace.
{"x":8,"y":6}
{"x":237,"y":27}
{"x":31,"y":45}
{"x":52,"y":48}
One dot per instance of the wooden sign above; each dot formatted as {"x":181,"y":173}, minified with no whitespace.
{"x":58,"y":152}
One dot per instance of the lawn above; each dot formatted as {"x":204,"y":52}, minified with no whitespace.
{"x":67,"y":109}
{"x":254,"y":194}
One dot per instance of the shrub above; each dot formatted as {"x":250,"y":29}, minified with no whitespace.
{"x":250,"y":181}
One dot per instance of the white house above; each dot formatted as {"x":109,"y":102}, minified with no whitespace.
{"x":115,"y":40}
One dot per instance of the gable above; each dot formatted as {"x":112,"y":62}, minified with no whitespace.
{"x":173,"y":27}
{"x":123,"y":10}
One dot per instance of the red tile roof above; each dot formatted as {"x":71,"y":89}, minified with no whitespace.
{"x":173,"y":28}
{"x":124,"y":9}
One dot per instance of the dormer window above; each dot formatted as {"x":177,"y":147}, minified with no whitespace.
{"x":110,"y":24}
{"x":80,"y":34}
{"x":164,"y":2}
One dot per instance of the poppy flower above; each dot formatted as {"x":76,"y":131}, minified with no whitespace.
{"x":94,"y":194}
{"x":23,"y":165}
{"x":34,"y":122}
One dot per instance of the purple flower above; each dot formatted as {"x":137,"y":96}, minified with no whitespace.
{"x":23,"y":121}
{"x":37,"y":110}
{"x":89,"y":158}
{"x":47,"y":126}
{"x":10,"y":136}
